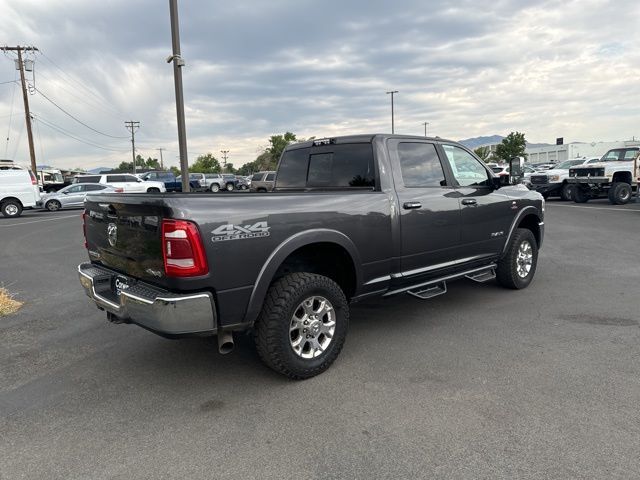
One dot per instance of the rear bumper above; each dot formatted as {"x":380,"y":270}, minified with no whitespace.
{"x":155,"y":309}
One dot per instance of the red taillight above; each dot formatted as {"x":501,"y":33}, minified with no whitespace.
{"x":119,"y":190}
{"x":84,"y":228}
{"x":34,"y":180}
{"x":182,"y":249}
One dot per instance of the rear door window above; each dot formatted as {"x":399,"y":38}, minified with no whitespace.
{"x":116,"y":178}
{"x":87,"y":179}
{"x":257,"y":177}
{"x":420,"y":165}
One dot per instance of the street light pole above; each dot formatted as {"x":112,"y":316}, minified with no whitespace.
{"x":425,"y":128}
{"x":392,"y":120}
{"x":224,"y":158}
{"x":178,"y":63}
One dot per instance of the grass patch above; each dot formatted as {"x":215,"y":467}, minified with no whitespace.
{"x":7,"y":304}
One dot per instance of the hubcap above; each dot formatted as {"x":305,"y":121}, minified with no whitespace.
{"x":11,"y":209}
{"x":524,"y":259}
{"x":312,"y":327}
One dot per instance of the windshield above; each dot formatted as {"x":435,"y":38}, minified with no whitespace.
{"x":569,"y":163}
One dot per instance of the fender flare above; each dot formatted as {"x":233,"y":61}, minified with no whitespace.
{"x":521,"y":214}
{"x":286,"y":248}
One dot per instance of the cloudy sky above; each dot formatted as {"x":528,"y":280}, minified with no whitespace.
{"x":256,"y":68}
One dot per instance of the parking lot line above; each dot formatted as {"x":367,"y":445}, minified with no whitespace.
{"x":38,"y":221}
{"x":595,"y":208}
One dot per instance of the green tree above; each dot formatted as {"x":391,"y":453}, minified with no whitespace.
{"x":277,"y":144}
{"x":513,"y":145}
{"x":175,"y":170}
{"x":206,"y":164}
{"x":228,"y":168}
{"x":484,"y":153}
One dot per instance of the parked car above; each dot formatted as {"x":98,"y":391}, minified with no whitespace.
{"x":127,"y":182}
{"x":171,"y":182}
{"x":263,"y":181}
{"x":354,"y":218}
{"x":18,"y":189}
{"x":230,"y":181}
{"x":242,"y":183}
{"x":72,"y":196}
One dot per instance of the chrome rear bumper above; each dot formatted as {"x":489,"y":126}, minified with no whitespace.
{"x":151,"y":307}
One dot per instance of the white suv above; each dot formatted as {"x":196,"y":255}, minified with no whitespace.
{"x":124,"y":182}
{"x":18,"y":189}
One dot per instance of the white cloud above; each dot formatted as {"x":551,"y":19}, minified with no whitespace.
{"x":546,"y":68}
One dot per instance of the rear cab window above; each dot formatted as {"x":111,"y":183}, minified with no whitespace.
{"x":327,"y":166}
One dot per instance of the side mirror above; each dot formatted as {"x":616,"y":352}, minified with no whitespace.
{"x":516,"y":170}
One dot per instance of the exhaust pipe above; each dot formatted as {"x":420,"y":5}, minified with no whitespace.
{"x":225,"y":342}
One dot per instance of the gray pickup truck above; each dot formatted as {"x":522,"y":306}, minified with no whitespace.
{"x":350,"y":218}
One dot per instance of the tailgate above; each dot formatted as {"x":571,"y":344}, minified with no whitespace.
{"x":124,"y":233}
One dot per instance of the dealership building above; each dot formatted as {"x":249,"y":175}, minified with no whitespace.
{"x":558,"y":153}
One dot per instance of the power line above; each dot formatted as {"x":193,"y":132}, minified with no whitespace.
{"x":72,"y":79}
{"x":81,"y":140}
{"x":11,"y":81}
{"x":13,"y":94}
{"x":76,"y":119}
{"x":91,"y":104}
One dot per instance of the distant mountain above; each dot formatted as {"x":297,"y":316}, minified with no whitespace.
{"x":481,"y":141}
{"x":100,"y":170}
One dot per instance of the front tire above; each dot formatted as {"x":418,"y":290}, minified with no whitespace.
{"x":53,"y":205}
{"x":620,"y":193}
{"x":11,"y":208}
{"x":153,"y":190}
{"x":230,"y":187}
{"x":518,"y":266}
{"x":302,"y":326}
{"x":579,"y":195}
{"x":566,"y":193}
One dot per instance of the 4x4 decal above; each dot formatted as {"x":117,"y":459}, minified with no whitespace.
{"x":236,"y":232}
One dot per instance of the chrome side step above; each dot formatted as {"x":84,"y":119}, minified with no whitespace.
{"x":482,"y":277}
{"x":429,"y":292}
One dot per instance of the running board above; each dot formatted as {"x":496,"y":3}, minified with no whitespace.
{"x":429,"y":292}
{"x":482,"y":277}
{"x":474,"y":272}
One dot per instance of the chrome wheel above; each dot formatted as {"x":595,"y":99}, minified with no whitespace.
{"x":524,"y":259}
{"x":11,"y":210}
{"x":312,"y":327}
{"x":53,"y":205}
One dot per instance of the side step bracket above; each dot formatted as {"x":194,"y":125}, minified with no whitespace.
{"x":484,"y":276}
{"x":429,"y":292}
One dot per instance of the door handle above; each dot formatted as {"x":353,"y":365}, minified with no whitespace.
{"x":411,"y":205}
{"x":469,"y":201}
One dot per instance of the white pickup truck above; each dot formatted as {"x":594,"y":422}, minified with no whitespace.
{"x":616,"y":175}
{"x":553,"y":182}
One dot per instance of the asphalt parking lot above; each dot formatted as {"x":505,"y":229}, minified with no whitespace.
{"x":479,"y":383}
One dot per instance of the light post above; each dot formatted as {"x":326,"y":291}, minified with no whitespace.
{"x":392,"y":120}
{"x":425,"y":128}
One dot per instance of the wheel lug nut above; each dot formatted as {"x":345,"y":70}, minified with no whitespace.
{"x":304,"y":330}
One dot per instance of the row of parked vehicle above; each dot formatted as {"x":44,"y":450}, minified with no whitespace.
{"x":615,"y":175}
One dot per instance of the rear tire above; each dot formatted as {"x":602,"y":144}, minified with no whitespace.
{"x":230,"y":187}
{"x":518,"y":266}
{"x":11,"y":208}
{"x":153,"y":190}
{"x":580,"y":196}
{"x":214,"y":188}
{"x":293,"y":323}
{"x":53,"y":205}
{"x":566,"y":192}
{"x":620,"y":193}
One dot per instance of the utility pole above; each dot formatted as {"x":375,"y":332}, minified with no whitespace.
{"x":25,"y":97}
{"x":392,"y":122}
{"x":425,"y":128}
{"x":178,"y":63}
{"x":132,"y":127}
{"x":224,"y":158}
{"x":161,"y":162}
